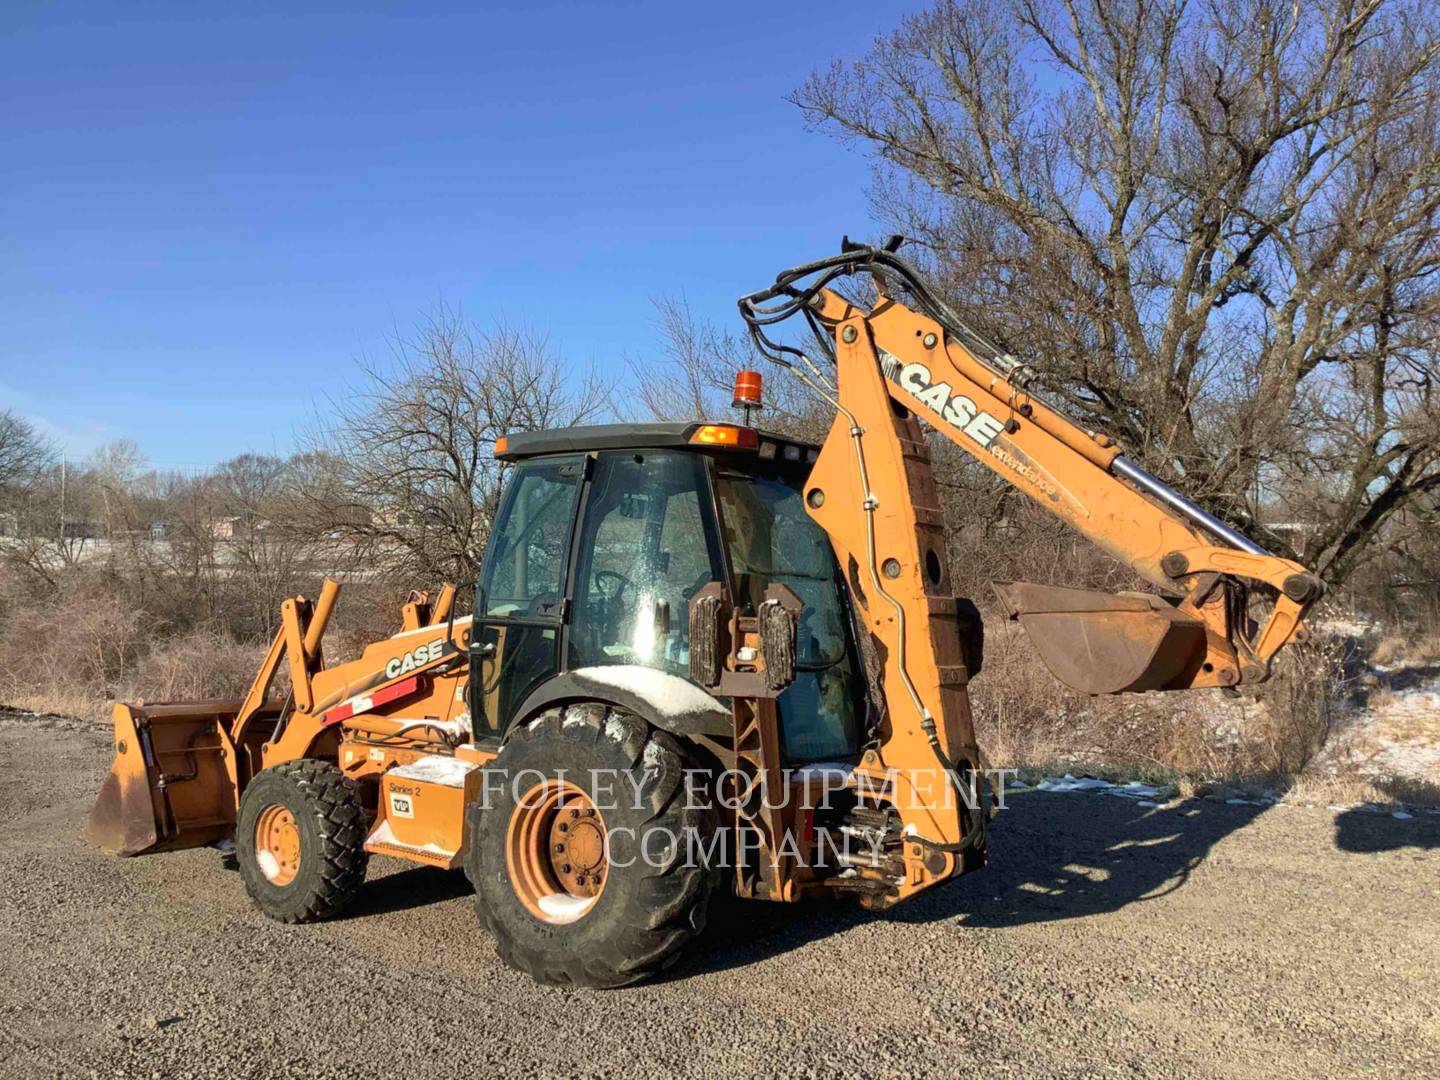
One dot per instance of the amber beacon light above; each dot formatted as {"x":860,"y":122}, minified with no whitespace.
{"x":747,"y":392}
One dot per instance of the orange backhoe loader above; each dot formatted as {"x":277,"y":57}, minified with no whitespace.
{"x":701,"y":656}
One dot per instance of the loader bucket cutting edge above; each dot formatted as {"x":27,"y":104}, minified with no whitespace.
{"x":1107,"y":643}
{"x":168,"y":787}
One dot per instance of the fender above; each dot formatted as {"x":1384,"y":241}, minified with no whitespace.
{"x":668,"y":702}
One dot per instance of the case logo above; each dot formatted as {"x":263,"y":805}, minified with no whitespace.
{"x":956,"y":409}
{"x":415,"y":658}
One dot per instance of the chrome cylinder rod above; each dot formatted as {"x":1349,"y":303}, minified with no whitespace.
{"x":1128,"y":470}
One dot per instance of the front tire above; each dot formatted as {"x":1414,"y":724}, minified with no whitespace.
{"x":300,"y":841}
{"x":589,"y":863}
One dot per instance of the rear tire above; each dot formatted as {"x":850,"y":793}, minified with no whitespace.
{"x":656,"y":881}
{"x":300,"y":841}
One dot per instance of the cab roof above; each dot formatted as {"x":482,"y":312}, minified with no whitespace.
{"x":676,"y":435}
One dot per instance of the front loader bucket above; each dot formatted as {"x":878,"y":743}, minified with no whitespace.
{"x":1107,"y":643}
{"x":170,"y":786}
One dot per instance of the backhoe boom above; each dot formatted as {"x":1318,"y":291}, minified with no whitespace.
{"x":979,"y":398}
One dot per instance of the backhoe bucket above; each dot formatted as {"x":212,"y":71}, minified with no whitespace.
{"x":1107,"y":643}
{"x":169,"y":787}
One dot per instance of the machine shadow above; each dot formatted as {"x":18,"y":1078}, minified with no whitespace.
{"x":1362,"y":831}
{"x":1053,"y":857}
{"x":407,"y":889}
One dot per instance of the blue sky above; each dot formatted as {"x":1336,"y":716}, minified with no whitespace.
{"x":209,"y":212}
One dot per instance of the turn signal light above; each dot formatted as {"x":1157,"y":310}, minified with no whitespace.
{"x":742,"y":438}
{"x":502,"y":444}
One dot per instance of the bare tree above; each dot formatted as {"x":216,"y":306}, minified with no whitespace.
{"x":403,"y":472}
{"x":24,"y":454}
{"x":1211,"y":226}
{"x":693,"y":377}
{"x":262,"y":519}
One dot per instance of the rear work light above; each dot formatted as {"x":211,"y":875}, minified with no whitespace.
{"x":742,"y":438}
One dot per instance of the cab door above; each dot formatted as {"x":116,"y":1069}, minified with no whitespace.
{"x":647,"y":544}
{"x":521,"y":603}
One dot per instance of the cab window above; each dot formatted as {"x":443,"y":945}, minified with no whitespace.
{"x":644,"y":549}
{"x":525,"y":568}
{"x":772,"y":540}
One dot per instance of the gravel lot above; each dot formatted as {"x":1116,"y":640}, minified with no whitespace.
{"x":1105,"y":939}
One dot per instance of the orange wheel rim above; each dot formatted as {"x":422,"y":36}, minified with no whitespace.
{"x":555,"y":852}
{"x":277,"y":844}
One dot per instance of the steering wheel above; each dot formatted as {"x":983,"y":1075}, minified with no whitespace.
{"x":622,"y":583}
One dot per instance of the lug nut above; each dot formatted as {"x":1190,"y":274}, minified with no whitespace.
{"x":564,"y":826}
{"x":565,"y":868}
{"x":574,"y":813}
{"x":559,"y":849}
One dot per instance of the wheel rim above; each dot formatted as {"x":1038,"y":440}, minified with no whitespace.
{"x":555,"y":852}
{"x":277,"y":844}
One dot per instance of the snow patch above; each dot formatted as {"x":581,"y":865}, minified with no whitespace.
{"x":383,"y":834}
{"x":615,"y":729}
{"x":669,"y":695}
{"x":1134,"y":789}
{"x":1073,"y":783}
{"x":1342,"y":626}
{"x":654,"y":755}
{"x":1401,"y":815}
{"x":564,"y":908}
{"x":269,"y":865}
{"x":436,"y":769}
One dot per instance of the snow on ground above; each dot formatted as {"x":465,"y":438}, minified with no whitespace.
{"x":1155,"y":798}
{"x":1391,"y":732}
{"x":1352,"y":625}
{"x":1132,"y":790}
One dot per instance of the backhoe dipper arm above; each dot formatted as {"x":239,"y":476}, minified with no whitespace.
{"x":968,"y":389}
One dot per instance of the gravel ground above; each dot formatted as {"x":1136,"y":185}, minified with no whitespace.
{"x":1105,"y":939}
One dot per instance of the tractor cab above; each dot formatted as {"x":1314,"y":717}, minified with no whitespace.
{"x":604,"y":536}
